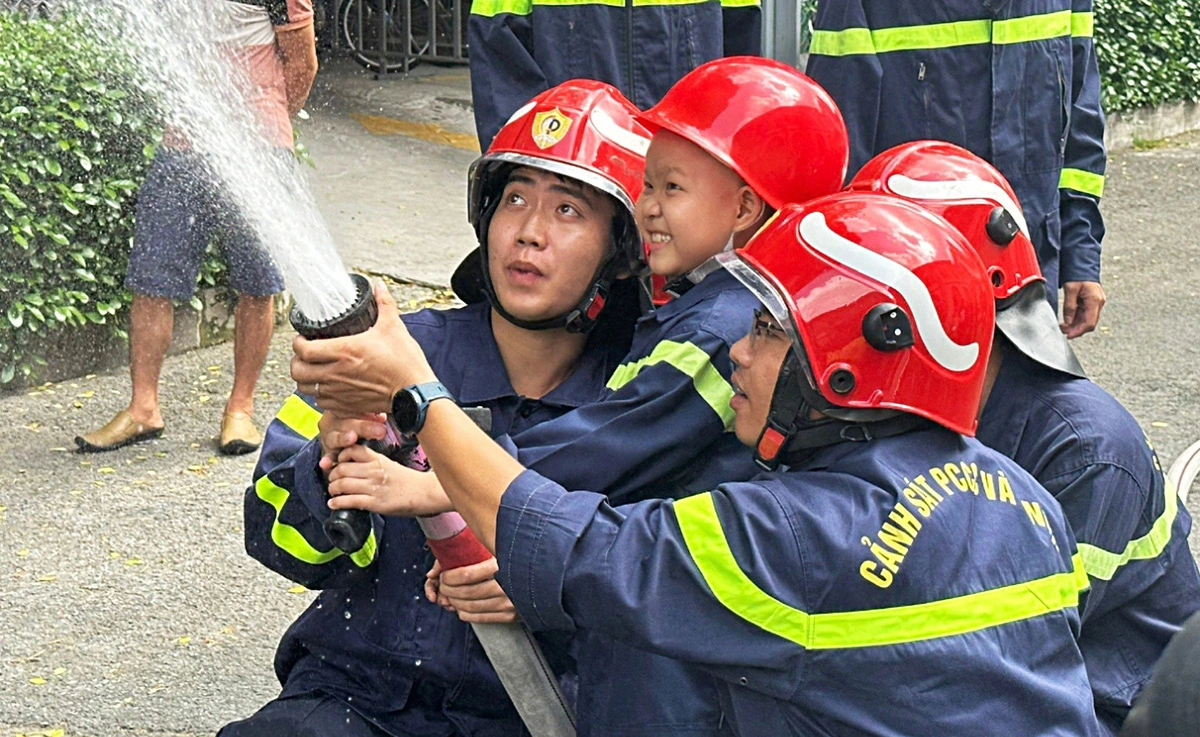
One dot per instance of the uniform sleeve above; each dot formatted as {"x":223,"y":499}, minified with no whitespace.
{"x":842,"y":60}
{"x":285,"y":506}
{"x":504,"y":74}
{"x":660,"y":413}
{"x":647,"y":575}
{"x":1085,"y":159}
{"x":1104,"y":506}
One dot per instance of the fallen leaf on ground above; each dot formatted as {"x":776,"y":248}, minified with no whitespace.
{"x":297,"y":590}
{"x":38,"y":681}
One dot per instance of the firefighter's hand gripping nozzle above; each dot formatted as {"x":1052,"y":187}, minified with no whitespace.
{"x":347,"y":529}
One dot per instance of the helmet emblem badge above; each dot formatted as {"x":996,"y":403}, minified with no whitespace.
{"x":549,"y":128}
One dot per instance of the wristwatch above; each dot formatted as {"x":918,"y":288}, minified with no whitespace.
{"x":409,"y":405}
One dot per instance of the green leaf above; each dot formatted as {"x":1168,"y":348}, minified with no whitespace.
{"x":53,"y":167}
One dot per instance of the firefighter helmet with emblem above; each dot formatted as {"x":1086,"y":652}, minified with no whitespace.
{"x":890,"y":317}
{"x":581,"y":129}
{"x":779,"y":130}
{"x":978,"y":200}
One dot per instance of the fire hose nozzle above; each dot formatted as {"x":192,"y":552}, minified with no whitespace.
{"x":347,"y":529}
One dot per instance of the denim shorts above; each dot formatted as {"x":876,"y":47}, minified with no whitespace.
{"x":179,"y":212}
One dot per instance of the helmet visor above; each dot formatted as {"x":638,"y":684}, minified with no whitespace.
{"x":769,"y":295}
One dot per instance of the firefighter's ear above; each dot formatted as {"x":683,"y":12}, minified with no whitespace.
{"x":751,"y":210}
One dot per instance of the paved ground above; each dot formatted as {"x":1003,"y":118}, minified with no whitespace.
{"x":127,"y":602}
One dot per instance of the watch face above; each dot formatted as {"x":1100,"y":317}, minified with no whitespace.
{"x":405,"y":411}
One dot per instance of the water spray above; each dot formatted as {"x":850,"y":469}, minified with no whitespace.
{"x":347,"y":529}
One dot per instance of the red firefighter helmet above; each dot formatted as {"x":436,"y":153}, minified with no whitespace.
{"x":582,"y":129}
{"x":779,"y":130}
{"x":889,"y":312}
{"x":977,"y":199}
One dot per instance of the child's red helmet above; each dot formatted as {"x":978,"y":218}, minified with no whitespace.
{"x":779,"y":130}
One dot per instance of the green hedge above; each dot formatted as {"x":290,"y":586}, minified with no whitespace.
{"x":76,"y":136}
{"x":1149,"y":50}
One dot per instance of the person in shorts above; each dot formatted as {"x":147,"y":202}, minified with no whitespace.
{"x":180,"y":212}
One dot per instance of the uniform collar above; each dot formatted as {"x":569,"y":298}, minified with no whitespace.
{"x":485,"y":379}
{"x":714,"y":280}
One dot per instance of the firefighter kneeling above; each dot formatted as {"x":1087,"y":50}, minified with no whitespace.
{"x":861,"y":376}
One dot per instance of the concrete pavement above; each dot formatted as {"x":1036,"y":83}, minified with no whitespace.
{"x":127,"y":603}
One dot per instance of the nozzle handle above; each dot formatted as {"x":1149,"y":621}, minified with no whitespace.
{"x":348,"y":529}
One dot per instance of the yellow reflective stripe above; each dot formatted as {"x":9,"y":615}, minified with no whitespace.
{"x":492,"y":8}
{"x":904,"y":38}
{"x":299,"y":417}
{"x":1081,"y":24}
{"x":740,"y":3}
{"x":692,"y":361}
{"x":364,"y":555}
{"x":1032,"y":28}
{"x":705,"y":540}
{"x":289,"y":539}
{"x":1082,"y":181}
{"x":950,"y":35}
{"x":1103,"y":564}
{"x":286,"y":537}
{"x":842,"y":43}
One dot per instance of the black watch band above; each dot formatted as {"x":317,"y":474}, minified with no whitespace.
{"x":410,"y":405}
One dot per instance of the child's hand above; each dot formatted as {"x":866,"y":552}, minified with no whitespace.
{"x":337,"y":433}
{"x":364,"y":479}
{"x":472,"y":592}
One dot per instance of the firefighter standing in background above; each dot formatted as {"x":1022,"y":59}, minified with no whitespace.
{"x":1014,"y":82}
{"x":521,"y":47}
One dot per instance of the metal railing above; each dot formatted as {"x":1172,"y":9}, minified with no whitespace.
{"x":394,"y":35}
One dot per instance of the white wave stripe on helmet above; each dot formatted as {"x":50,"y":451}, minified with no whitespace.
{"x":957,"y":189}
{"x":954,"y":357}
{"x":623,"y":137}
{"x":521,"y":113}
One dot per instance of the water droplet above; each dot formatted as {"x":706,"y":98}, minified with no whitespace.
{"x":346,"y":615}
{"x":418,"y":663}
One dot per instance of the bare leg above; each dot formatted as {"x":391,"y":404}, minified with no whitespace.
{"x":151,"y":320}
{"x":255,"y":322}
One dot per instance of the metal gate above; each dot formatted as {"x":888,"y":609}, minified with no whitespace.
{"x":394,"y":35}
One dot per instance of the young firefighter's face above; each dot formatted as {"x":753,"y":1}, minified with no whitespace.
{"x":689,"y":206}
{"x":758,"y":357}
{"x":546,"y":241}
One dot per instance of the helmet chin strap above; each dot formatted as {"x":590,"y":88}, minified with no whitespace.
{"x":581,"y":318}
{"x":791,"y":435}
